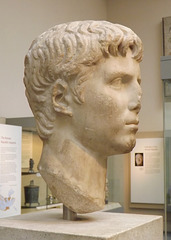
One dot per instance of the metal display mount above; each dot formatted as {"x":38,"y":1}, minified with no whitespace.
{"x":69,"y":214}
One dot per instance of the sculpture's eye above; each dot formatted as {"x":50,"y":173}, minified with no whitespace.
{"x":116,"y":83}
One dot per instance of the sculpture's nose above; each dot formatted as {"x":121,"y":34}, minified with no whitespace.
{"x":135,"y":98}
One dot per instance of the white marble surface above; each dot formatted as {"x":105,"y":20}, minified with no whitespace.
{"x":49,"y":224}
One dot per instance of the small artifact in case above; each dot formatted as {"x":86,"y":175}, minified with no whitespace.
{"x":31,"y":194}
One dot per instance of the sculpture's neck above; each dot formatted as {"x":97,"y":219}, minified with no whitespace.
{"x":74,"y":177}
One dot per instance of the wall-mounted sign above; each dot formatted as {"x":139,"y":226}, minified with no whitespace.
{"x":10,"y":170}
{"x":147,"y":171}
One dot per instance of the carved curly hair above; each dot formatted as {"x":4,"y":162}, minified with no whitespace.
{"x":61,"y":52}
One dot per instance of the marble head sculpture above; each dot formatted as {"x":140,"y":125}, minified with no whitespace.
{"x":83,"y":85}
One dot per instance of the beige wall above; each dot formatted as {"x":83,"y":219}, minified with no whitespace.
{"x":20,"y":22}
{"x":145,"y":17}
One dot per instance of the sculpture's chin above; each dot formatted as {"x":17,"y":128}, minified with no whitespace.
{"x":130,"y":145}
{"x":125,"y":145}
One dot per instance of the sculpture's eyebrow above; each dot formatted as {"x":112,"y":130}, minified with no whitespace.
{"x":118,"y":74}
{"x":111,"y":75}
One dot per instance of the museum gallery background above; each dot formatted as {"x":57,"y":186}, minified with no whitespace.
{"x":22,"y":20}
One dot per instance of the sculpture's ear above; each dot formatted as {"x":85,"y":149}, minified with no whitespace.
{"x":60,"y":98}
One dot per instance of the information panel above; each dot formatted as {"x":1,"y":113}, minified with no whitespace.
{"x":147,"y":171}
{"x":10,"y":170}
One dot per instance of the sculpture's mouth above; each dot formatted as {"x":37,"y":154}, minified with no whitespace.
{"x":132,"y":127}
{"x":132,"y":122}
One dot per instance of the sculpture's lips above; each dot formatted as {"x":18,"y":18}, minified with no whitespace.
{"x":132,"y":122}
{"x":133,"y":125}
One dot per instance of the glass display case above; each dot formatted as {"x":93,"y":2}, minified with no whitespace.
{"x":166,"y":78}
